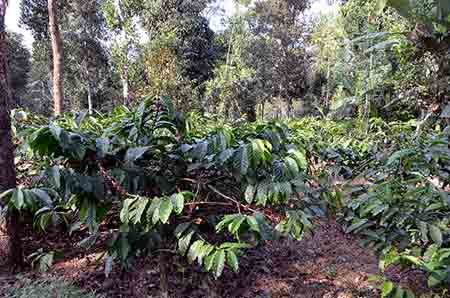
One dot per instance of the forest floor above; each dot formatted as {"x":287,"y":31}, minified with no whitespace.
{"x":327,"y":264}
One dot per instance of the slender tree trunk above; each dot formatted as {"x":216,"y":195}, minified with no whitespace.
{"x":263,"y":106}
{"x":58,"y":90}
{"x":89,"y":98}
{"x":7,"y":168}
{"x":125,"y":87}
{"x":327,"y":94}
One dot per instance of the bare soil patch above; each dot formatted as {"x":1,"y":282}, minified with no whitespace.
{"x":328,"y":264}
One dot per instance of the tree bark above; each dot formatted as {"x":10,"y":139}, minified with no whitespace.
{"x":7,"y":167}
{"x":58,"y":91}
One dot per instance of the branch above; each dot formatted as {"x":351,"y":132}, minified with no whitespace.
{"x":238,"y":204}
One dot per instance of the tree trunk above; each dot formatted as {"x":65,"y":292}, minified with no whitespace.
{"x":125,"y":87}
{"x":89,"y":98}
{"x":58,"y":91}
{"x":7,"y":168}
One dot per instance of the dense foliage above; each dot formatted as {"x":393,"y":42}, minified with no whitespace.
{"x":197,"y":143}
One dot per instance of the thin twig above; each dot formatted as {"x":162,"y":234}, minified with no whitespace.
{"x":231,"y":199}
{"x":209,"y":203}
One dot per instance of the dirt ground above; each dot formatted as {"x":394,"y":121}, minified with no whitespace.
{"x":328,"y":264}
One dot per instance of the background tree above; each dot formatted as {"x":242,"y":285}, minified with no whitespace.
{"x":83,"y":29}
{"x":58,"y":58}
{"x":7,"y":167}
{"x":19,"y":67}
{"x":179,"y":32}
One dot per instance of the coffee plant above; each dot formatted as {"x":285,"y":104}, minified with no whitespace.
{"x":163,"y":188}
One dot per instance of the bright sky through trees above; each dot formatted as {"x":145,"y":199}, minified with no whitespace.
{"x":13,"y":13}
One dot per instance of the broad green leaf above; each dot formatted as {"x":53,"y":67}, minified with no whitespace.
{"x":209,"y":260}
{"x":46,"y":261}
{"x":124,"y":212}
{"x":183,"y":242}
{"x":55,"y":176}
{"x":227,"y":219}
{"x":399,"y":293}
{"x":236,"y":224}
{"x":18,"y":199}
{"x":135,"y":153}
{"x":181,"y":228}
{"x":250,"y":193}
{"x":194,"y":251}
{"x":387,"y":288}
{"x":436,"y":234}
{"x":205,"y":250}
{"x":437,"y":277}
{"x":234,"y":245}
{"x":6,"y":193}
{"x":139,"y":206}
{"x":178,"y":202}
{"x":232,"y":260}
{"x":153,"y":211}
{"x":357,"y":223}
{"x":165,"y":210}
{"x":219,"y":263}
{"x":423,"y":227}
{"x":43,"y":196}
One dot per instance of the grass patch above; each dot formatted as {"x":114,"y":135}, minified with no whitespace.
{"x":48,"y":288}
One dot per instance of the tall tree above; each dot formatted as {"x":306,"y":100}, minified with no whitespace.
{"x":280,"y":27}
{"x":183,"y":32}
{"x":120,"y":18}
{"x":57,"y":50}
{"x":19,"y":67}
{"x":7,"y":168}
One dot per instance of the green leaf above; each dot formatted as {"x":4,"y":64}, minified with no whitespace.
{"x":165,"y":209}
{"x":6,"y":193}
{"x":292,"y":166}
{"x":300,"y":158}
{"x":18,"y":199}
{"x":205,"y":250}
{"x":178,"y":202}
{"x":234,"y":245}
{"x":139,"y":207}
{"x":181,"y":228}
{"x":46,"y":261}
{"x":135,"y":153}
{"x":357,"y":223}
{"x":399,"y":293}
{"x":232,"y":260}
{"x":43,"y":196}
{"x":437,"y":277}
{"x":423,"y":227}
{"x":55,"y":176}
{"x":124,"y":212}
{"x":375,"y":278}
{"x":183,"y":243}
{"x":387,"y":288}
{"x":153,"y":211}
{"x":236,"y":224}
{"x":219,"y":263}
{"x":209,"y":260}
{"x":227,"y":219}
{"x":380,"y":5}
{"x":436,"y":234}
{"x":262,"y":192}
{"x":416,"y":261}
{"x":194,"y":251}
{"x":250,"y":193}
{"x":241,"y":160}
